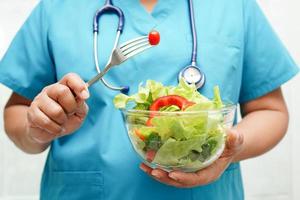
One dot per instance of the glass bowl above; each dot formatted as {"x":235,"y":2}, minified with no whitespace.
{"x":186,"y":141}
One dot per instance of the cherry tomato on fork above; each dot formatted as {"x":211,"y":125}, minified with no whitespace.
{"x":154,"y":37}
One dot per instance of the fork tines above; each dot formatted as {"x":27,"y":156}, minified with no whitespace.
{"x":135,"y":46}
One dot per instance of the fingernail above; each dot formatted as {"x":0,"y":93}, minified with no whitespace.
{"x":85,"y":94}
{"x":63,"y":130}
{"x":155,"y":174}
{"x":172,"y":176}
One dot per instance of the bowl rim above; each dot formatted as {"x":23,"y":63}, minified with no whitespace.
{"x":229,"y":107}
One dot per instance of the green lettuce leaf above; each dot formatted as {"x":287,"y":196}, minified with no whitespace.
{"x":153,"y":90}
{"x":172,"y":150}
{"x":183,"y":140}
{"x":121,"y":100}
{"x":217,"y":98}
{"x":187,"y":91}
{"x":172,"y":108}
{"x":156,"y":89}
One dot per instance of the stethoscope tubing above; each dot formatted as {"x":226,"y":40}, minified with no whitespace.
{"x":96,"y":59}
{"x":109,"y":7}
{"x":194,"y":33}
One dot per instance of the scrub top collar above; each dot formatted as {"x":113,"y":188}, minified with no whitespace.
{"x":141,"y":19}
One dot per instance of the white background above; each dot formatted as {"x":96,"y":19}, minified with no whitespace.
{"x":274,"y":176}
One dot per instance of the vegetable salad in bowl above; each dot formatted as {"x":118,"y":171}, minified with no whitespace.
{"x":175,"y":127}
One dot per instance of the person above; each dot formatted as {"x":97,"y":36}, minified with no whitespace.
{"x":90,"y":157}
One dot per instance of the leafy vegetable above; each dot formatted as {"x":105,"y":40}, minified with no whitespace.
{"x":153,"y":142}
{"x":172,"y":150}
{"x":153,"y":90}
{"x":217,"y":98}
{"x":186,"y":140}
{"x":172,"y":108}
{"x":121,"y":100}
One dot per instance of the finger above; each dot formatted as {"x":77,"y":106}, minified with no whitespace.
{"x":234,"y":143}
{"x":214,"y":171}
{"x":76,"y":84}
{"x":38,"y":119}
{"x":146,"y":168}
{"x":187,"y":179}
{"x":52,"y":109}
{"x":75,"y":120}
{"x":40,"y":136}
{"x":235,"y":138}
{"x":74,"y":123}
{"x":62,"y":95}
{"x":163,"y":177}
{"x":159,"y":175}
{"x":82,"y":110}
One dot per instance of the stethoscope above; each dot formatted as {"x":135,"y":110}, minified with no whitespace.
{"x":191,"y":73}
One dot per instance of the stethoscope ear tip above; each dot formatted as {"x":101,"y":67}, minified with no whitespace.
{"x":125,"y":90}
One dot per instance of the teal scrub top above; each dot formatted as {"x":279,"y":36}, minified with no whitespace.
{"x":238,"y":50}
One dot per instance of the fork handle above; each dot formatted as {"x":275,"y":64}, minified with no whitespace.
{"x":99,"y":76}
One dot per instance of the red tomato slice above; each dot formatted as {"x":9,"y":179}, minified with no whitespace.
{"x":150,"y":155}
{"x":169,"y":101}
{"x":154,"y":38}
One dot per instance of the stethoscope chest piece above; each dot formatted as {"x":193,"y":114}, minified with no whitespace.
{"x":193,"y":75}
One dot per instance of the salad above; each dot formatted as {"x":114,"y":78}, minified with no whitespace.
{"x":174,"y":126}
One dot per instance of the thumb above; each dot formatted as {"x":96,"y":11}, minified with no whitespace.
{"x":234,"y":142}
{"x":82,"y":109}
{"x":76,"y":119}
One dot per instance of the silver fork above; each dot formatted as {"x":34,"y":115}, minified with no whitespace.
{"x":123,"y":53}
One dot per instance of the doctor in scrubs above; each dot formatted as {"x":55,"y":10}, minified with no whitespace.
{"x":90,"y":156}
